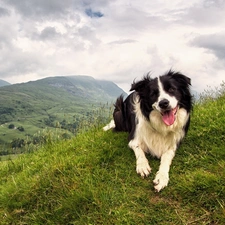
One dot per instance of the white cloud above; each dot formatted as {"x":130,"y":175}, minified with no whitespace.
{"x":113,"y":40}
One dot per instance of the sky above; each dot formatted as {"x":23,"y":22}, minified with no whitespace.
{"x":116,"y":40}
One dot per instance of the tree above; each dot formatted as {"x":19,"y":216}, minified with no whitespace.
{"x":20,"y":128}
{"x":11,"y":126}
{"x":17,"y":143}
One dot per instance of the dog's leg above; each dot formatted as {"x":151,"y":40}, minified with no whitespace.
{"x":109,"y":126}
{"x":162,"y":176}
{"x":142,"y":166}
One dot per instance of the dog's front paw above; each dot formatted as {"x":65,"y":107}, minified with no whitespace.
{"x":143,"y":167}
{"x":161,"y":180}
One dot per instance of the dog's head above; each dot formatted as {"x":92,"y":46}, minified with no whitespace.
{"x":165,"y":94}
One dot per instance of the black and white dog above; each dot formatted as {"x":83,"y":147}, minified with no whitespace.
{"x":157,"y":117}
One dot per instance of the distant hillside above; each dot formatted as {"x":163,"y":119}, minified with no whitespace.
{"x":59,"y":93}
{"x":50,"y":101}
{"x":3,"y":83}
{"x":83,"y":86}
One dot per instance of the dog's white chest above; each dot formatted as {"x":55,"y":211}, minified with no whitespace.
{"x":157,"y":138}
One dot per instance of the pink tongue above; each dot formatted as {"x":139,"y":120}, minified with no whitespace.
{"x":168,"y":118}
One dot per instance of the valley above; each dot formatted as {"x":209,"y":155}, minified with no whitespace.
{"x":60,"y":104}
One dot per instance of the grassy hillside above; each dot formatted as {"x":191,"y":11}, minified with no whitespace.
{"x":91,"y":179}
{"x":51,"y":102}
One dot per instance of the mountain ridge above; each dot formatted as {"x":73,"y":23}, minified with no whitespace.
{"x":4,"y":83}
{"x":64,"y":100}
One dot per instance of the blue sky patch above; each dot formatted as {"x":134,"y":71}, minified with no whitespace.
{"x":93,"y":14}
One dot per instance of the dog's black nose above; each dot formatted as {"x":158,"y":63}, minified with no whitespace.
{"x":163,"y":104}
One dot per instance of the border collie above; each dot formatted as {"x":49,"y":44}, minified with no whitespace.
{"x":156,"y":116}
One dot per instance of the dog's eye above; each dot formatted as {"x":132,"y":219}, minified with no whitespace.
{"x":171,"y":90}
{"x":153,"y":93}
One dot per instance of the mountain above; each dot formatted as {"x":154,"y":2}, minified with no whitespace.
{"x":83,"y":86}
{"x":3,"y":83}
{"x":195,"y":94}
{"x":50,"y":101}
{"x":44,"y":95}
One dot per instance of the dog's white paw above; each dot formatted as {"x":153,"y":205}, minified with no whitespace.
{"x":143,"y":167}
{"x":109,"y":126}
{"x":161,"y":180}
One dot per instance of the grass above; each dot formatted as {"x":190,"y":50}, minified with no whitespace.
{"x":91,"y":179}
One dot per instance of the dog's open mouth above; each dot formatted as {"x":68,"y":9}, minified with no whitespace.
{"x":169,"y":116}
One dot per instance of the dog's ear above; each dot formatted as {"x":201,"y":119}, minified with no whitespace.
{"x":140,"y":85}
{"x":180,"y":77}
{"x":137,"y":86}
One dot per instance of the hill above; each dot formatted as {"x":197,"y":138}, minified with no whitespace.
{"x":3,"y":83}
{"x":91,"y":179}
{"x":51,"y":102}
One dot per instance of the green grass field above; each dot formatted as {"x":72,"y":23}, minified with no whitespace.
{"x":91,"y":179}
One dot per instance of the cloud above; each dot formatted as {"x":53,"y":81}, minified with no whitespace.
{"x":41,"y":9}
{"x":48,"y":33}
{"x":214,"y":43}
{"x":4,"y":12}
{"x":202,"y":14}
{"x":123,"y":41}
{"x":114,"y":40}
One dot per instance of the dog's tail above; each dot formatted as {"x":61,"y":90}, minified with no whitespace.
{"x":119,"y":105}
{"x":118,"y":116}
